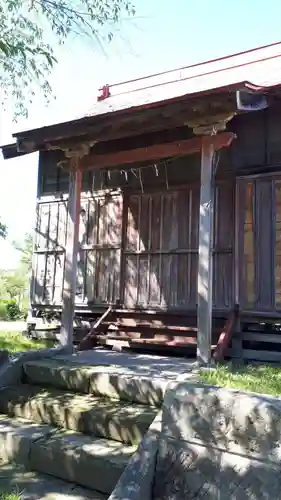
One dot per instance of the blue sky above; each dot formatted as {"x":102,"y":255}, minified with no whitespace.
{"x":163,"y":35}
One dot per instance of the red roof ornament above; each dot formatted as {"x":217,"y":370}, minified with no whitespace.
{"x":104,"y":93}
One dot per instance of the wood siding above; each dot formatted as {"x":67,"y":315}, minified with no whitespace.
{"x":260,"y":243}
{"x":49,"y":252}
{"x":138,"y":249}
{"x":161,"y":250}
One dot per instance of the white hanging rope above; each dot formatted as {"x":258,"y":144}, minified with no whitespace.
{"x":166,"y":176}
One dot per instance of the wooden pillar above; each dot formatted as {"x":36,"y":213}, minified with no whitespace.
{"x":71,"y":250}
{"x":205,"y":259}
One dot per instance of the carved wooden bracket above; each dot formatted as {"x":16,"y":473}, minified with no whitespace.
{"x":211,"y":125}
{"x":219,"y":141}
{"x":72,"y":153}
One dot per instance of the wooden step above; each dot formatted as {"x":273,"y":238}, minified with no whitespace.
{"x":173,"y":341}
{"x":149,"y":326}
{"x":151,"y":333}
{"x":155,"y":340}
{"x":147,"y":322}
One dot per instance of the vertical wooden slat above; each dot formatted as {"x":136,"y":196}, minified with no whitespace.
{"x":138,"y":249}
{"x":69,"y":288}
{"x":264,"y":244}
{"x":277,"y":245}
{"x":123,"y":246}
{"x":160,"y":272}
{"x":190,"y":283}
{"x":205,"y":281}
{"x":223,"y":247}
{"x":149,"y":244}
{"x":236,"y":245}
{"x":32,"y":287}
{"x":244,"y":247}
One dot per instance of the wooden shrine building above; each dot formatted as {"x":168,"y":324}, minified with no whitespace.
{"x":159,"y":212}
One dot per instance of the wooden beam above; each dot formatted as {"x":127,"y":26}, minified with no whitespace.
{"x":205,"y":258}
{"x":154,"y":152}
{"x":128,"y":123}
{"x":210,"y":144}
{"x":71,"y":250}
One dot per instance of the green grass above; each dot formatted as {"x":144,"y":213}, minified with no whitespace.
{"x":261,"y":379}
{"x":16,"y":342}
{"x":9,"y":496}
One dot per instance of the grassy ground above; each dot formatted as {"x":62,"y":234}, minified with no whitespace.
{"x":9,"y":496}
{"x":261,"y":379}
{"x":16,"y":342}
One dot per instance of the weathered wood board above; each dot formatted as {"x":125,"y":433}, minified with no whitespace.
{"x":140,"y":249}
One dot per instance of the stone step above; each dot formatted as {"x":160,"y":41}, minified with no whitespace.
{"x":93,"y":463}
{"x":89,"y":462}
{"x":111,"y":419}
{"x":30,"y":485}
{"x":103,"y":380}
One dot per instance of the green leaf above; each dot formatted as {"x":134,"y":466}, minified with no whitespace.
{"x":4,"y":47}
{"x":27,"y":58}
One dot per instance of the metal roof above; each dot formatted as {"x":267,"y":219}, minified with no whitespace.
{"x":257,"y":70}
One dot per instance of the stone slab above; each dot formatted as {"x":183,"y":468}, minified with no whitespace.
{"x":79,"y":493}
{"x":124,"y":385}
{"x":137,"y":479}
{"x":185,"y":470}
{"x":34,"y":486}
{"x":58,"y":374}
{"x":136,"y":482}
{"x":11,"y":372}
{"x":92,"y":463}
{"x":16,"y":437}
{"x":102,"y":380}
{"x":240,"y":423}
{"x":84,"y":413}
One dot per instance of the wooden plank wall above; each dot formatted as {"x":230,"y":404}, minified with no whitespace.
{"x":161,"y":250}
{"x":151,"y":262}
{"x":260,"y":243}
{"x":98,"y":273}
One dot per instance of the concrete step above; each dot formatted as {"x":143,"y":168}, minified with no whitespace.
{"x":15,"y":479}
{"x":111,"y":419}
{"x":92,"y":463}
{"x":102,"y":380}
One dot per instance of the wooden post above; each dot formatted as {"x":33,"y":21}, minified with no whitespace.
{"x":71,"y":250}
{"x":205,"y":260}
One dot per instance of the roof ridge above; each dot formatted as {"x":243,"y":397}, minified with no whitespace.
{"x":202,"y":63}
